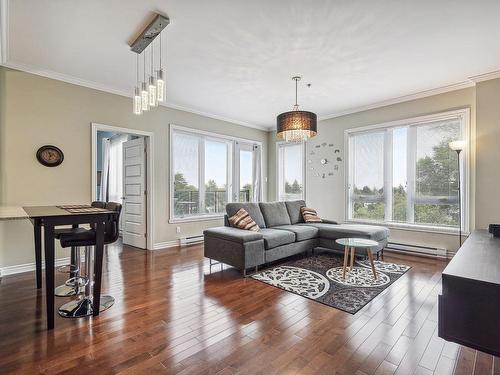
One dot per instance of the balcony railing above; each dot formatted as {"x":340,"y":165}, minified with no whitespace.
{"x":186,"y":202}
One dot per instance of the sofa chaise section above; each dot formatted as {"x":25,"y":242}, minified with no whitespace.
{"x":239,"y":248}
{"x":329,"y":233}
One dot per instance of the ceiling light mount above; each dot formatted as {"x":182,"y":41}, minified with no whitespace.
{"x":149,"y":34}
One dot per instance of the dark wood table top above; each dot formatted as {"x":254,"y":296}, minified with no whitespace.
{"x":51,"y":211}
{"x":478,"y":259}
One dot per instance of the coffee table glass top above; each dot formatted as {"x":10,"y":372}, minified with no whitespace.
{"x":356,"y":242}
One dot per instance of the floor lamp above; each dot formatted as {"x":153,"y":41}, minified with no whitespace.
{"x":458,"y":146}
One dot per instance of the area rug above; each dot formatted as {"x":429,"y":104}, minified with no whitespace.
{"x":319,"y":278}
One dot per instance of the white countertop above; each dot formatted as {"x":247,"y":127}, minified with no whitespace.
{"x":12,"y":213}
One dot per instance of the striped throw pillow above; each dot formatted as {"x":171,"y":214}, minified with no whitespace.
{"x":242,"y":220}
{"x":309,"y":215}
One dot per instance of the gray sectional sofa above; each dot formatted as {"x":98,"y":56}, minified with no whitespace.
{"x":283,"y":233}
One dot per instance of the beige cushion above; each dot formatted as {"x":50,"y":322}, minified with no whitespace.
{"x":309,"y":215}
{"x":242,"y":220}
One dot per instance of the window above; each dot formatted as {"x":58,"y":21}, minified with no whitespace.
{"x":290,"y":171}
{"x":204,"y":176}
{"x":404,"y":172}
{"x":246,"y":172}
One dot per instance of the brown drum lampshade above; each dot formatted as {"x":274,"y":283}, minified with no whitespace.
{"x":296,"y":126}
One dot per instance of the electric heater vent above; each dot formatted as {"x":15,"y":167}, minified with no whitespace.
{"x":420,"y":250}
{"x":191,"y":240}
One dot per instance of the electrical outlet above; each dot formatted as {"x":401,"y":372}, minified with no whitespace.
{"x":178,"y":230}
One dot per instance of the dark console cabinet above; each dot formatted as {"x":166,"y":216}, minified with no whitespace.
{"x":469,"y":306}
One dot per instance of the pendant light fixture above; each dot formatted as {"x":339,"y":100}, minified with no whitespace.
{"x":137,"y":91}
{"x":144,"y":91}
{"x":151,"y":91}
{"x":160,"y":83}
{"x":152,"y":81}
{"x":295,"y":125}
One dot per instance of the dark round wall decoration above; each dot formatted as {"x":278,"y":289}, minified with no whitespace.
{"x":50,"y":156}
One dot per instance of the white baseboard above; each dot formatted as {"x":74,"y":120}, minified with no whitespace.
{"x":179,"y":242}
{"x":28,"y":267}
{"x":165,"y":245}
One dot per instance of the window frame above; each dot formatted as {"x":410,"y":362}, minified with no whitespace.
{"x":279,"y":171}
{"x":464,"y":115}
{"x":213,"y":136}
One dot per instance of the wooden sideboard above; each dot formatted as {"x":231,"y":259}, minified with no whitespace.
{"x":469,"y":306}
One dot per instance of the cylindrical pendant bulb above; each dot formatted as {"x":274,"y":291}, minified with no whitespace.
{"x":160,"y":86}
{"x":137,"y":101}
{"x":145,"y":97}
{"x":152,"y":92}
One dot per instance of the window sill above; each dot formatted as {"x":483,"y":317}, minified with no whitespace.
{"x":411,"y":227}
{"x":192,"y":219}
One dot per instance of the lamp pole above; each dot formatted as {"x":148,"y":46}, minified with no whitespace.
{"x":458,"y":146}
{"x":459,"y":202}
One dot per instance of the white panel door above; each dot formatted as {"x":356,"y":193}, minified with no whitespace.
{"x":134,"y":193}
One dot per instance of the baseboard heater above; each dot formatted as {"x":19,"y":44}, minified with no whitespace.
{"x":419,"y":250}
{"x":183,"y":241}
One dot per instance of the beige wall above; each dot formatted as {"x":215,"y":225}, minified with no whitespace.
{"x":327,"y":195}
{"x":488,"y":153}
{"x":35,"y":111}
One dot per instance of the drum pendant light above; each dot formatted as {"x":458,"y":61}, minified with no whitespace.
{"x":295,"y":125}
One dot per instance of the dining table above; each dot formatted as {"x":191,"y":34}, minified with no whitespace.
{"x":50,"y":217}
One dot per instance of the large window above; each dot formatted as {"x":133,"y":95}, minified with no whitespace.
{"x":405,"y":173}
{"x":290,"y":171}
{"x":207,"y":172}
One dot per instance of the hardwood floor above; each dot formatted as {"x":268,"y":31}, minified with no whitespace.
{"x":171,"y":316}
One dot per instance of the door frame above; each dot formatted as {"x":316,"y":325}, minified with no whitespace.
{"x":149,"y":142}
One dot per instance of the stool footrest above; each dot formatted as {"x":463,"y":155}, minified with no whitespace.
{"x":69,"y":268}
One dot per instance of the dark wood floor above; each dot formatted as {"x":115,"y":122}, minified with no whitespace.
{"x":171,"y":316}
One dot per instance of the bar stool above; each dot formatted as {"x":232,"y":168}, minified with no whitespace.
{"x":73,"y":285}
{"x":83,"y":306}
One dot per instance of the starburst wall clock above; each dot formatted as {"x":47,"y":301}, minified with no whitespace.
{"x":324,"y":160}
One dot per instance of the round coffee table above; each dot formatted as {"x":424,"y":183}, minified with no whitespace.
{"x":352,"y":244}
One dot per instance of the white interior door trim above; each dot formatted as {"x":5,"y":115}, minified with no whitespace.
{"x":149,"y":139}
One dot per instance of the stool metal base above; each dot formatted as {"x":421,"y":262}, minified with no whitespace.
{"x":83,"y":307}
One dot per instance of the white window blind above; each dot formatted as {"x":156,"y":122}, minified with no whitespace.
{"x":405,"y":173}
{"x":290,"y":171}
{"x":207,"y":172}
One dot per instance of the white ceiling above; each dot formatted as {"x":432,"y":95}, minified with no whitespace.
{"x":234,"y":58}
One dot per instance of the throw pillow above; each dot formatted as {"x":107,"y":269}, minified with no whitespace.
{"x":243,"y":220}
{"x":309,"y":215}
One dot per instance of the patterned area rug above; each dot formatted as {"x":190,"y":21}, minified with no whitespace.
{"x":320,"y":278}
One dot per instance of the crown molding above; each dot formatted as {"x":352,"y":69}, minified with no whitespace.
{"x":97,"y":86}
{"x":4,"y":28}
{"x":485,"y":77}
{"x":216,"y":117}
{"x":401,"y":99}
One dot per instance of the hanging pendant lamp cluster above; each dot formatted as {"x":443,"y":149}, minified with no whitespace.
{"x":296,"y":125}
{"x":149,"y":92}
